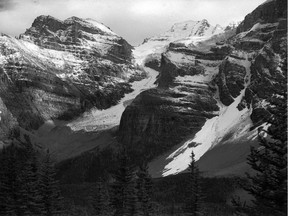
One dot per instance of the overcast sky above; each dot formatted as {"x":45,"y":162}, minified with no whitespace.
{"x":132,"y":19}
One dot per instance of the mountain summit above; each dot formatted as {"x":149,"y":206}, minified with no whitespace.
{"x":189,"y":33}
{"x":59,"y":69}
{"x":213,"y":93}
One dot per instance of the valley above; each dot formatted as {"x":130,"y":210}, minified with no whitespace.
{"x":84,"y":87}
{"x":176,"y":125}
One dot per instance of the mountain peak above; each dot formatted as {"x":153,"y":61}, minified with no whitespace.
{"x":194,"y":28}
{"x":205,"y":22}
{"x":45,"y":19}
{"x":232,"y":25}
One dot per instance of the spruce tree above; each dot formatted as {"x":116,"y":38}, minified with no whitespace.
{"x":11,"y":185}
{"x":29,"y":177}
{"x":124,"y":197}
{"x":4,"y":186}
{"x":49,"y":188}
{"x":194,"y":194}
{"x":269,"y":185}
{"x":144,"y":189}
{"x":101,"y":199}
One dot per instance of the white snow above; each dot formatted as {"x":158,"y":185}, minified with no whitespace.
{"x":105,"y":119}
{"x":181,"y":58}
{"x":152,"y":47}
{"x":187,"y":33}
{"x":267,"y":2}
{"x":201,"y":80}
{"x":100,"y":26}
{"x":229,"y":120}
{"x":192,"y":28}
{"x":42,"y":57}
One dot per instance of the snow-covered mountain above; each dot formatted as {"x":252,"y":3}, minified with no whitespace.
{"x":211,"y":96}
{"x":70,"y":84}
{"x":59,"y":69}
{"x":188,"y":32}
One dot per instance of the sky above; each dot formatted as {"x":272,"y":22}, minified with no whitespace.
{"x":134,"y":20}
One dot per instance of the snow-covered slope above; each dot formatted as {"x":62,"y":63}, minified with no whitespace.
{"x":229,"y":121}
{"x":189,"y":33}
{"x":59,"y":69}
{"x":97,"y":120}
{"x":212,"y":93}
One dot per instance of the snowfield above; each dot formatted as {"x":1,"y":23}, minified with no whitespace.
{"x":229,"y":121}
{"x":189,"y":33}
{"x":96,"y":120}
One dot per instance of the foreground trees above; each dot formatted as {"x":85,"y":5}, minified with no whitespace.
{"x":49,"y":188}
{"x":131,"y":191}
{"x":195,"y":195}
{"x":27,"y":185}
{"x":124,"y":194}
{"x":144,"y":190}
{"x":268,"y":183}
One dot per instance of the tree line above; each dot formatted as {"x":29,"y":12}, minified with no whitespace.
{"x":28,"y":185}
{"x":27,"y":181}
{"x":268,"y":160}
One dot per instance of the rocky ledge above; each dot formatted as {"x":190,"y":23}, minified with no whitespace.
{"x":226,"y":73}
{"x":58,"y":69}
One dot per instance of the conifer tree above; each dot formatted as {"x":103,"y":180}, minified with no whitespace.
{"x":269,"y":185}
{"x":101,"y":200}
{"x":124,"y":197}
{"x":49,"y":188}
{"x":194,"y":195}
{"x":10,"y":182}
{"x":4,"y":187}
{"x":29,"y":177}
{"x":144,"y":189}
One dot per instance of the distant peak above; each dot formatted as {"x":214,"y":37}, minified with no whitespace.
{"x":46,"y":17}
{"x":232,"y":25}
{"x":46,"y":24}
{"x":205,"y":22}
{"x":73,"y":18}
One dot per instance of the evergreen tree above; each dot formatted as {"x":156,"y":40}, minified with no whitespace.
{"x":194,"y":194}
{"x":25,"y":188}
{"x":124,"y":194}
{"x":144,"y":189}
{"x":4,"y":182}
{"x":101,"y":199}
{"x":12,"y":202}
{"x":49,"y":188}
{"x":29,"y":177}
{"x":269,"y":185}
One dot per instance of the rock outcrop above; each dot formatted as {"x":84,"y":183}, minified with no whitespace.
{"x":160,"y":118}
{"x":58,"y":69}
{"x":268,"y":12}
{"x":210,"y":93}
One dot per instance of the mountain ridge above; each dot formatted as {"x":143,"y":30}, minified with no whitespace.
{"x":209,"y":76}
{"x":232,"y":69}
{"x":70,"y":66}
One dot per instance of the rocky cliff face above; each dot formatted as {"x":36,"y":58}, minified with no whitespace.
{"x":268,"y":12}
{"x":211,"y":95}
{"x":58,"y":69}
{"x":188,"y":33}
{"x":160,"y":118}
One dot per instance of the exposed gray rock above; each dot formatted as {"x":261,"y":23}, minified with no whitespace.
{"x":73,"y":66}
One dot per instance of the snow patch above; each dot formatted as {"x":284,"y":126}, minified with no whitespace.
{"x":96,"y":120}
{"x":181,"y":58}
{"x":190,"y":33}
{"x":229,"y":121}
